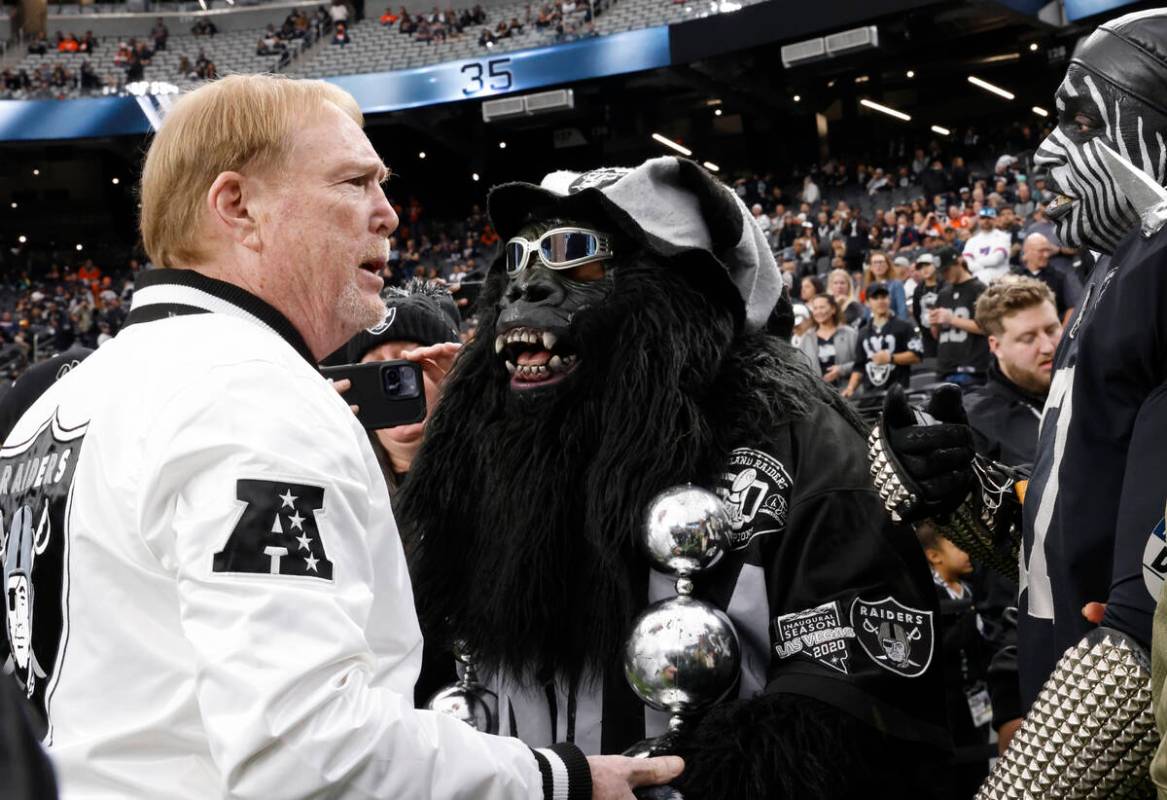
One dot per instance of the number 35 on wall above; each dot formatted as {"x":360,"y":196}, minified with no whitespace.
{"x":497,"y":71}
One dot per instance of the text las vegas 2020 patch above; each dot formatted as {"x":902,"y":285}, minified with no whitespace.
{"x":819,"y":633}
{"x":898,"y":638}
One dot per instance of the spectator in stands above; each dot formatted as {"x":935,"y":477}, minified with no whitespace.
{"x":160,"y":33}
{"x":843,"y":289}
{"x":888,"y":347}
{"x":987,"y":251}
{"x":486,"y":38}
{"x":39,"y":45}
{"x":338,"y":12}
{"x":204,"y":27}
{"x":831,"y":343}
{"x":810,"y":191}
{"x":1023,"y":328}
{"x":1035,"y":260}
{"x":809,"y":288}
{"x":67,"y":43}
{"x":879,"y":270}
{"x":88,"y":77}
{"x":924,"y":298}
{"x":958,"y":172}
{"x":962,"y":353}
{"x":390,"y":19}
{"x":1025,"y":204}
{"x":88,"y":43}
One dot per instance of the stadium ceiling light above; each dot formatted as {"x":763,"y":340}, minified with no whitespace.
{"x":473,"y":176}
{"x":891,"y":112}
{"x":14,"y":205}
{"x":941,"y":131}
{"x":715,"y":101}
{"x":421,"y":154}
{"x":717,"y":112}
{"x":1033,"y":47}
{"x":115,"y":181}
{"x":709,"y":165}
{"x":831,"y":83}
{"x":36,"y":172}
{"x":988,"y":87}
{"x":79,"y":248}
{"x":911,"y":73}
{"x":502,"y":145}
{"x":203,"y":4}
{"x":22,"y":238}
{"x":667,"y":142}
{"x":863,"y":79}
{"x":797,"y":98}
{"x":1003,"y":57}
{"x":1041,"y":112}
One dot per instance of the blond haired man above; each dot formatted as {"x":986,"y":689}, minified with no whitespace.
{"x":208,"y":593}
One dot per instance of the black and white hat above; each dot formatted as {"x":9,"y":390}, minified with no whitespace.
{"x":671,"y":206}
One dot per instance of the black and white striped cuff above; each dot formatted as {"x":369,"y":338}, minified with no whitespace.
{"x":566,"y":775}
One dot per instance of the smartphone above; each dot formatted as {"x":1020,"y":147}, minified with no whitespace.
{"x":389,"y":393}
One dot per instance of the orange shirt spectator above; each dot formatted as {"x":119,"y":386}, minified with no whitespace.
{"x":68,"y":45}
{"x":89,"y":272}
{"x":389,"y":18}
{"x":489,"y":237}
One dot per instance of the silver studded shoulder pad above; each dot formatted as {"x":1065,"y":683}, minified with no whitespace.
{"x":1091,"y":732}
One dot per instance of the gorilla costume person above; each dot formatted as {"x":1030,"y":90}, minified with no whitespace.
{"x":1093,"y":549}
{"x":623,"y":349}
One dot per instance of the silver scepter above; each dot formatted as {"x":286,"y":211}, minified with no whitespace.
{"x":683,"y":654}
{"x":467,"y":699}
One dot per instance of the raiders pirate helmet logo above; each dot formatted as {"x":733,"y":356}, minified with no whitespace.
{"x":385,"y":324}
{"x":597,"y":179}
{"x":896,"y":637}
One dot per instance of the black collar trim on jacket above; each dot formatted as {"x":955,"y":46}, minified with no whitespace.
{"x":162,"y":293}
{"x":996,"y":375}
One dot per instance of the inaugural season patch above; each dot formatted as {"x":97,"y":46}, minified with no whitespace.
{"x":898,"y":638}
{"x":819,"y":633}
{"x":755,"y":489}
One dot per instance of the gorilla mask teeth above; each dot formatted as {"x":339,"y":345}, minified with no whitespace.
{"x":534,"y":356}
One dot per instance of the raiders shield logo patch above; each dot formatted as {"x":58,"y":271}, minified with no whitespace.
{"x":755,"y":490}
{"x":1155,"y":559}
{"x":898,"y":638}
{"x":277,"y":534}
{"x":818,"y":633}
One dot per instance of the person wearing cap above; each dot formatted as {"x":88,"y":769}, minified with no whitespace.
{"x":888,"y":347}
{"x":214,"y":538}
{"x":987,"y":251}
{"x":962,"y":354}
{"x":924,"y":298}
{"x":628,"y":343}
{"x":418,"y":326}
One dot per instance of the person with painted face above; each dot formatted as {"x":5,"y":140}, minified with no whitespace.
{"x":1093,"y":551}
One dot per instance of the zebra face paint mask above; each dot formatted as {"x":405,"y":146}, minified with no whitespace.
{"x":1115,"y":92}
{"x":1089,"y":209}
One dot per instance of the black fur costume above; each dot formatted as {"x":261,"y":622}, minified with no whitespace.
{"x":526,"y":508}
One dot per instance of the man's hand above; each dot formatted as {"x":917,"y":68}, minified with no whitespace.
{"x":847,"y":390}
{"x":831,"y":375}
{"x":614,"y":777}
{"x":881,"y":357}
{"x":940,"y":316}
{"x":1093,"y":612}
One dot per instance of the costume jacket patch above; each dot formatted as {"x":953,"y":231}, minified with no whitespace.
{"x":755,"y":489}
{"x":1155,"y":559}
{"x":898,"y":638}
{"x":277,"y":533}
{"x":820,"y":633}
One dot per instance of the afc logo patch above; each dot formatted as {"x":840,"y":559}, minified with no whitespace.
{"x":277,"y":533}
{"x":755,"y":490}
{"x":898,"y":638}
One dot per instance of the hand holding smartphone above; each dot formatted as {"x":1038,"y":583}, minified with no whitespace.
{"x":388,"y":393}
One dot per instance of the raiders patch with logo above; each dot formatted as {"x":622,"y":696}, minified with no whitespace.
{"x":277,"y":533}
{"x":820,"y":634}
{"x":898,"y":638}
{"x":755,"y":489}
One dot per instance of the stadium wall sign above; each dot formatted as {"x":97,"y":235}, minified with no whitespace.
{"x":474,"y":79}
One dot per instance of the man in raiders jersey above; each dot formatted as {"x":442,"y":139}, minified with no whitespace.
{"x":1094,"y":553}
{"x":628,"y":343}
{"x":888,"y":346}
